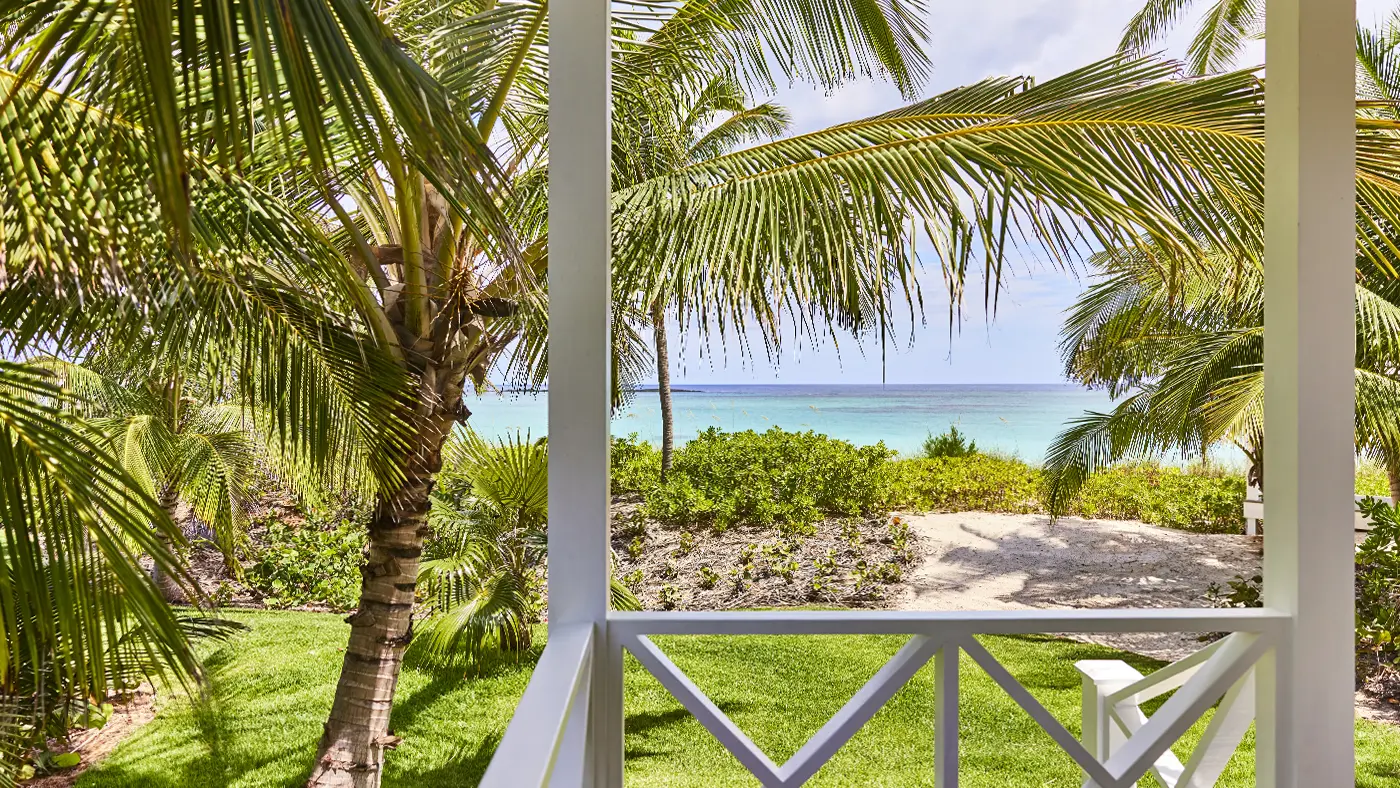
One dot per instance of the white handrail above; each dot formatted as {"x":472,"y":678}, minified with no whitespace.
{"x":526,"y":756}
{"x":945,"y":622}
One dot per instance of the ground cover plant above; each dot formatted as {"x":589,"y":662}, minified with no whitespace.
{"x":271,"y":686}
{"x":791,"y":481}
{"x":315,"y":561}
{"x":775,"y":478}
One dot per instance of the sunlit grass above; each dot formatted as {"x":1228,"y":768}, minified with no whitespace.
{"x":271,"y":688}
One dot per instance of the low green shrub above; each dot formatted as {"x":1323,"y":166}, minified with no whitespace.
{"x":1377,"y":601}
{"x":636,"y":465}
{"x":787,"y":479}
{"x":316,"y":563}
{"x":1163,"y":495}
{"x":1371,"y":480}
{"x":950,"y":444}
{"x":958,"y":484}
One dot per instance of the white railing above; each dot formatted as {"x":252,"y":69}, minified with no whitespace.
{"x":538,"y":737}
{"x":1113,"y":716}
{"x":1120,"y":743}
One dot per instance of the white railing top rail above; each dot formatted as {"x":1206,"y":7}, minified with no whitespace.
{"x":953,"y":623}
{"x":526,"y":754}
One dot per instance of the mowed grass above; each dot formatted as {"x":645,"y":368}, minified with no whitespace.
{"x":270,"y":689}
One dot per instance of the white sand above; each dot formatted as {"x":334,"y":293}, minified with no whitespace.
{"x":982,"y":561}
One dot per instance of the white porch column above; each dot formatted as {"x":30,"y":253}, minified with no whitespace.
{"x":1306,"y":711}
{"x":579,"y":314}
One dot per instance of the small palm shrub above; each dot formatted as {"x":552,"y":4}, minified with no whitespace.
{"x":950,"y":444}
{"x":787,"y":479}
{"x":482,"y":580}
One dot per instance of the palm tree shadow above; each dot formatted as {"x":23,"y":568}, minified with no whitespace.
{"x":465,"y":770}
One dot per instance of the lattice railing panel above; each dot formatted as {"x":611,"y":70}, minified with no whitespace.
{"x":1121,"y":743}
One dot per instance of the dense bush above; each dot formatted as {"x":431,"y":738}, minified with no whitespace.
{"x":1192,"y":500}
{"x":950,"y":444}
{"x":1378,"y":602}
{"x":788,"y":479}
{"x":1371,"y":480}
{"x":315,"y":563}
{"x":636,"y":465}
{"x":958,"y":484}
{"x":791,"y":479}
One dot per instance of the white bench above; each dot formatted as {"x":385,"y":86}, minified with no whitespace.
{"x":1254,"y":511}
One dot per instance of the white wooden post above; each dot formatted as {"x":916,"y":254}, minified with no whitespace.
{"x":1305,"y":712}
{"x":579,"y":314}
{"x":945,"y":720}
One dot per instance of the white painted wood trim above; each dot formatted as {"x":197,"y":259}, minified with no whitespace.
{"x":580,"y":351}
{"x":1222,"y":737}
{"x":1306,"y":693}
{"x":949,"y":624}
{"x":1167,"y":679}
{"x":526,"y":756}
{"x":1097,"y":772}
{"x":946,"y":725}
{"x":1101,"y":677}
{"x":1212,"y":681}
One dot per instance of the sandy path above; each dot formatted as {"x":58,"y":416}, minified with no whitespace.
{"x":982,"y":561}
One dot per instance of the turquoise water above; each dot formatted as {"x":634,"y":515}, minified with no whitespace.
{"x":1014,"y":419}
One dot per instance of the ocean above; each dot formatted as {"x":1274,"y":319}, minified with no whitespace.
{"x":1019,"y":420}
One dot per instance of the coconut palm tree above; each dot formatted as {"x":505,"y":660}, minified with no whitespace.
{"x":1185,"y":345}
{"x":1220,"y":37}
{"x":682,"y":122}
{"x":1185,"y":350}
{"x":328,"y":208}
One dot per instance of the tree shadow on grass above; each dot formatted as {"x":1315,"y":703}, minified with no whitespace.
{"x":638,"y":724}
{"x":466,"y":769}
{"x":408,"y":709}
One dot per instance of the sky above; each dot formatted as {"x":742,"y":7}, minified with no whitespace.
{"x":968,"y":42}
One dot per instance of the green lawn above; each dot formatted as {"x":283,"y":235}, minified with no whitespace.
{"x":271,"y":687}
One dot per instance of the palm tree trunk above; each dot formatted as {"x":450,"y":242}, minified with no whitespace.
{"x":357,"y":734}
{"x":169,"y":589}
{"x":1392,"y":475}
{"x":663,"y":388}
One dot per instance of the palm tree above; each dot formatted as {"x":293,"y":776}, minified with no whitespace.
{"x":328,"y":208}
{"x":127,"y":212}
{"x":1185,"y":345}
{"x":1219,"y":39}
{"x":1185,"y":349}
{"x":681,"y":122}
{"x":173,"y":440}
